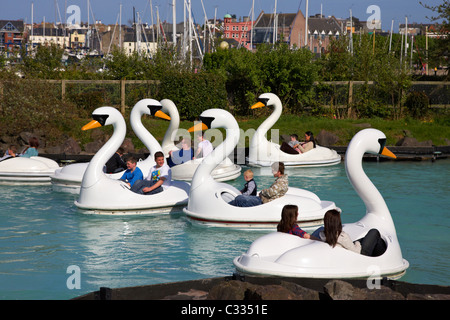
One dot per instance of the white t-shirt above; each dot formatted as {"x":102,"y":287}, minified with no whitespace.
{"x":163,"y":171}
{"x":206,"y":147}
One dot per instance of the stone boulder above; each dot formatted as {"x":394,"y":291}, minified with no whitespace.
{"x":341,"y":290}
{"x":412,"y":142}
{"x":325,"y":138}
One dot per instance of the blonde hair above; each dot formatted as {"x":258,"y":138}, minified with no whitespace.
{"x":248,"y":173}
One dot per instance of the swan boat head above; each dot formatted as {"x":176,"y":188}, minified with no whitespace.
{"x":212,"y":119}
{"x":104,"y":116}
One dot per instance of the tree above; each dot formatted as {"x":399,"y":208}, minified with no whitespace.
{"x":442,"y":11}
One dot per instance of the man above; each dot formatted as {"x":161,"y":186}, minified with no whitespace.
{"x":276,"y":190}
{"x":204,"y":147}
{"x":158,"y":179}
{"x":133,"y":173}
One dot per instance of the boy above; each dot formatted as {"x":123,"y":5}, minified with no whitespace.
{"x":158,"y":179}
{"x":133,"y":173}
{"x":250,"y":185}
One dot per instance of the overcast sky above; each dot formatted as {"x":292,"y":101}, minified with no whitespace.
{"x":108,"y":10}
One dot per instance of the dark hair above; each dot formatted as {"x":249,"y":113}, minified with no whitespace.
{"x":288,"y":218}
{"x":159,"y":154}
{"x":295,"y":136}
{"x":332,"y":226}
{"x":33,"y":142}
{"x":311,"y":137}
{"x":132,"y":159}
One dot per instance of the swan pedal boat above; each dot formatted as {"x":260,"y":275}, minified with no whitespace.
{"x":262,"y":153}
{"x":100,"y":194}
{"x":225,"y":171}
{"x":209,"y":199}
{"x":68,"y":178}
{"x":285,"y":255}
{"x":27,"y":171}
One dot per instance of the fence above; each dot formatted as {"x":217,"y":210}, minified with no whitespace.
{"x":120,"y":83}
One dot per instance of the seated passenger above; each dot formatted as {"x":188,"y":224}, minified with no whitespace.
{"x":371,"y":245}
{"x":276,"y":190}
{"x":158,"y":179}
{"x":309,"y":143}
{"x":250,"y":185}
{"x":288,"y":222}
{"x":116,"y":163}
{"x":133,"y":173}
{"x":31,"y":150}
{"x":186,"y":153}
{"x":10,"y":153}
{"x":204,"y":147}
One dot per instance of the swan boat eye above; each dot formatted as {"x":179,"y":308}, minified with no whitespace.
{"x":101,"y":118}
{"x":263,"y":100}
{"x":382,"y":142}
{"x":207,"y":120}
{"x":154,"y":108}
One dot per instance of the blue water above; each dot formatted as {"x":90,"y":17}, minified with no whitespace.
{"x":42,"y":233}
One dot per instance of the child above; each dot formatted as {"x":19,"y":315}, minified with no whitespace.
{"x":158,"y":179}
{"x":288,"y":221}
{"x":133,"y":173}
{"x":294,"y":143}
{"x":250,"y":186}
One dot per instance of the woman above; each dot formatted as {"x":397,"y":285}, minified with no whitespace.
{"x":370,"y":245}
{"x":31,"y":150}
{"x":308,"y":145}
{"x":288,"y":224}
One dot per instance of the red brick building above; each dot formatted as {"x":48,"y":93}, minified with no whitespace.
{"x":238,"y":31}
{"x":11,"y":34}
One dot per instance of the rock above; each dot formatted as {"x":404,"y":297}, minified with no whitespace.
{"x":326,"y":138}
{"x":71,"y":146}
{"x":341,"y":290}
{"x":412,"y":142}
{"x":239,"y":290}
{"x":192,"y":294}
{"x":229,"y":290}
{"x":93,"y":147}
{"x":128,"y":146}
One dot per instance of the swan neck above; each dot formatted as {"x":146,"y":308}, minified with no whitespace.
{"x":219,"y":154}
{"x":94,"y":171}
{"x":143,"y":134}
{"x":364,"y":187}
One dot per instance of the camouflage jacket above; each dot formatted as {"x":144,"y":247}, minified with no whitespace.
{"x":276,"y":190}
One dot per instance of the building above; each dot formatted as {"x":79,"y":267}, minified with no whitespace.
{"x":320,"y":32}
{"x":237,"y":30}
{"x":47,"y":36}
{"x":142,"y":43}
{"x":11,"y":34}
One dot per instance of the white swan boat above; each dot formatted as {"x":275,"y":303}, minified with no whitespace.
{"x":225,"y":171}
{"x":101,"y":194}
{"x":68,"y":178}
{"x":262,"y":153}
{"x":27,"y":171}
{"x":281,"y":254}
{"x":208,"y":199}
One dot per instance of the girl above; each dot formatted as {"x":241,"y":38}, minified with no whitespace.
{"x":288,"y":221}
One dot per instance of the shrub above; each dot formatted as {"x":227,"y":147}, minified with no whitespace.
{"x":417,"y":104}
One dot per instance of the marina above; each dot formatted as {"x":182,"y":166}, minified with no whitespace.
{"x":42,"y":233}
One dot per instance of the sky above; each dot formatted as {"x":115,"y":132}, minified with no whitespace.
{"x":108,"y":10}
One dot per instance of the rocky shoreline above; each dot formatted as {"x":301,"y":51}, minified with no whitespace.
{"x":70,"y":150}
{"x":273,"y":288}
